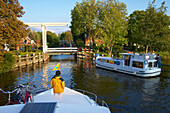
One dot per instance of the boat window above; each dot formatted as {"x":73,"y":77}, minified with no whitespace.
{"x":150,"y":64}
{"x":110,"y":61}
{"x":107,"y":61}
{"x":103,"y":60}
{"x":137,"y":64}
{"x":127,"y":60}
{"x":117,"y":63}
{"x":99,"y":59}
{"x":155,"y":64}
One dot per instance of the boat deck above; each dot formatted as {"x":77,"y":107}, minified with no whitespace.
{"x":69,"y":101}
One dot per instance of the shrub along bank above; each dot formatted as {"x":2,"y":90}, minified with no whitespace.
{"x":8,"y":59}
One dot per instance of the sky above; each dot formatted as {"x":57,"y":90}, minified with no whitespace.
{"x":60,"y":11}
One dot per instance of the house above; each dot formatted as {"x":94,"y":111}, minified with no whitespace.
{"x":26,"y":41}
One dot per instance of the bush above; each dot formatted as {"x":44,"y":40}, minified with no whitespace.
{"x":95,"y":48}
{"x":7,"y":63}
{"x":28,"y":48}
{"x":164,"y":55}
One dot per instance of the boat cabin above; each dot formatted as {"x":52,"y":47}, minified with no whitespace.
{"x":139,"y":60}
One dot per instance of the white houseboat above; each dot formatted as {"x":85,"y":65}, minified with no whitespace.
{"x":143,"y":65}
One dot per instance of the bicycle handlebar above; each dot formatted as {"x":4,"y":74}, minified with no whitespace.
{"x":16,"y":88}
{"x":8,"y":91}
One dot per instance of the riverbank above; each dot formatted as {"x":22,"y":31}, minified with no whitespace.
{"x":11,"y":60}
{"x":32,"y":58}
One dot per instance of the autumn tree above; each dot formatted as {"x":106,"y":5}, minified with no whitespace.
{"x":112,"y":24}
{"x":11,"y":29}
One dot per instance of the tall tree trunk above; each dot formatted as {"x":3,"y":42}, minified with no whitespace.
{"x":146,"y":49}
{"x":110,"y":50}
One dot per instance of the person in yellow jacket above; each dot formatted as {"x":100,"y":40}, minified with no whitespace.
{"x":57,"y":83}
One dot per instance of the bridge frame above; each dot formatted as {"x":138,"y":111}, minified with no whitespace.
{"x":44,"y":35}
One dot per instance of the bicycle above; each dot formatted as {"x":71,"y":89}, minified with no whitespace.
{"x":18,"y":98}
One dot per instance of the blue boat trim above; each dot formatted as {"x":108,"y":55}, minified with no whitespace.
{"x":149,"y":73}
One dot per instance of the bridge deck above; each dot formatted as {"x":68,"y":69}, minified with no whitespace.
{"x":62,"y":50}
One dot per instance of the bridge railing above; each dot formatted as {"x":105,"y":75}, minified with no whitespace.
{"x":63,"y":49}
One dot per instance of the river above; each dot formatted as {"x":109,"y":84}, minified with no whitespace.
{"x":122,"y":92}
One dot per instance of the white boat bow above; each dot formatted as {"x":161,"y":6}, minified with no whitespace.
{"x":70,"y":101}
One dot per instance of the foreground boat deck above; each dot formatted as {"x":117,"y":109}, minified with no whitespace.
{"x":69,"y":101}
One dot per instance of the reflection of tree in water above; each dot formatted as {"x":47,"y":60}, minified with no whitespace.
{"x":7,"y":83}
{"x":78,"y":80}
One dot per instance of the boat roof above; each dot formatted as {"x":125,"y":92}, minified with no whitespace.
{"x":127,"y":53}
{"x":109,"y":58}
{"x":69,"y":101}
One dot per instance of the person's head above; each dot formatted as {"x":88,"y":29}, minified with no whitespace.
{"x":158,"y":54}
{"x":58,"y":73}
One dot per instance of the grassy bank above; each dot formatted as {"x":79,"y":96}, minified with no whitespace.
{"x":8,"y":59}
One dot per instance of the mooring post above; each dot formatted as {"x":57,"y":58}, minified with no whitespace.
{"x":19,"y":60}
{"x":94,"y":57}
{"x":83,"y":55}
{"x":27,"y":59}
{"x":91,"y":51}
{"x":33,"y":59}
{"x":43,"y":57}
{"x":39,"y":57}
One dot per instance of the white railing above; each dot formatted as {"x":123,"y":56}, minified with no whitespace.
{"x":63,"y":49}
{"x":103,"y":103}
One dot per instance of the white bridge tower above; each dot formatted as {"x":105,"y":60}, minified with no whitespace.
{"x":44,"y":35}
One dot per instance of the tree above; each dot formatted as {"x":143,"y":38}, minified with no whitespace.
{"x":52,"y":39}
{"x":36,"y":37}
{"x":67,"y":37}
{"x":150,"y":28}
{"x":112,"y":24}
{"x":134,"y":31}
{"x":12,"y":30}
{"x":83,"y":19}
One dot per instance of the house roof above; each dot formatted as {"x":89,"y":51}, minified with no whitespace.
{"x":32,"y":41}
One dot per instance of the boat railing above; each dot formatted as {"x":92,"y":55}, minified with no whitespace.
{"x":98,"y":101}
{"x":87,"y":92}
{"x":103,"y":103}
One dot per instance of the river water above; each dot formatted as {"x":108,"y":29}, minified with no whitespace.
{"x":123,"y":93}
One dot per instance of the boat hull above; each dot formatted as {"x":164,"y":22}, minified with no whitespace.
{"x":129,"y":71}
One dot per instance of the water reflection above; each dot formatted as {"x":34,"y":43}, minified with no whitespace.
{"x":123,"y":93}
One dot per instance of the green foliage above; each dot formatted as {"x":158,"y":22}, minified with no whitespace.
{"x":67,"y":37}
{"x":8,"y":62}
{"x":164,"y":55}
{"x":52,"y":39}
{"x":150,"y":28}
{"x":112,"y":24}
{"x":83,"y":19}
{"x":79,"y":43}
{"x":95,"y":48}
{"x":27,"y":48}
{"x":102,"y":20}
